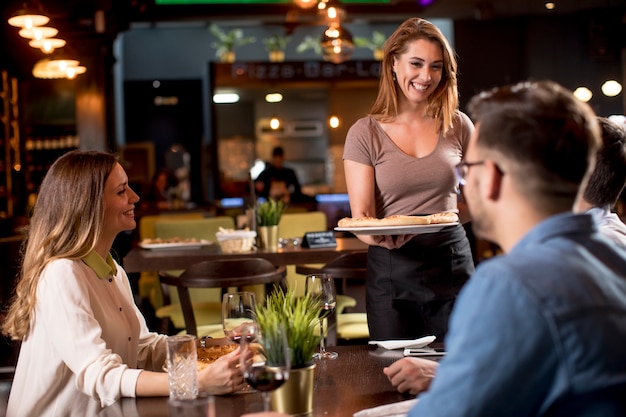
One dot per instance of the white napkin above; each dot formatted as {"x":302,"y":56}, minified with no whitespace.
{"x":399,"y":409}
{"x":401,"y":344}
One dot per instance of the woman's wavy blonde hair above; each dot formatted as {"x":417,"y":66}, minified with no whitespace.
{"x":66,"y":223}
{"x":444,"y":101}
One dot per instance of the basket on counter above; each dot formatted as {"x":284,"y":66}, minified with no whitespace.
{"x":236,"y":241}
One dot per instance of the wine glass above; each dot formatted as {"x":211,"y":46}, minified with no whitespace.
{"x":322,"y":287}
{"x":238,"y":313}
{"x":265,"y":360}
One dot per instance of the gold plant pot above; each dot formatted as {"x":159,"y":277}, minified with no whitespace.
{"x":269,"y":237}
{"x":379,"y":54}
{"x":295,"y":396}
{"x":228,"y":57}
{"x":276,"y":56}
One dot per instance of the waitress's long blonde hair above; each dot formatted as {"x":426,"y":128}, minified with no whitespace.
{"x":66,"y":223}
{"x":444,"y":101}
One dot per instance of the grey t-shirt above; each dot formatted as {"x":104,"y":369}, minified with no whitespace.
{"x":405,"y":184}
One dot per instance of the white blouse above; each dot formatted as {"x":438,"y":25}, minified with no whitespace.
{"x":87,"y":336}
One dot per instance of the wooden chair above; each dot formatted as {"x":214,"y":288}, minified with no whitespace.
{"x":224,"y":273}
{"x":344,"y":326}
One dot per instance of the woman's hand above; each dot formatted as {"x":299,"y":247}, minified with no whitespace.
{"x":412,"y":375}
{"x":386,"y":241}
{"x":222,"y":376}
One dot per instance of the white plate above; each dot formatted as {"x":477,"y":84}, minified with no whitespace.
{"x":176,"y":245}
{"x":401,"y":344}
{"x":396,"y":230}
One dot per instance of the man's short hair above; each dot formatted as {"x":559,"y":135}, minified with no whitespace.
{"x":541,"y":135}
{"x":609,"y":176}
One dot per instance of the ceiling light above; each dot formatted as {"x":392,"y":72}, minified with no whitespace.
{"x":333,"y":11}
{"x":28,"y":18}
{"x":305,"y":4}
{"x":611,"y":88}
{"x":58,"y":68}
{"x":583,"y":94}
{"x":38,"y":32}
{"x":47,"y":46}
{"x":273,"y":98}
{"x":225,"y":98}
{"x":333,"y":122}
{"x":337,"y":44}
{"x":274,"y":123}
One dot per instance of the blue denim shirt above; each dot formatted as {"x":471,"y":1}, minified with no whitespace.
{"x":537,"y":328}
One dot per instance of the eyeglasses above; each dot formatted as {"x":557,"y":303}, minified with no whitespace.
{"x":462,"y":169}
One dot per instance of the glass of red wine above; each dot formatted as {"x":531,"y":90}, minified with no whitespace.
{"x":265,"y":360}
{"x":322,"y":287}
{"x":238,"y":313}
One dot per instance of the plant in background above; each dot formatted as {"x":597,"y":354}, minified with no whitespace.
{"x":275,"y":46}
{"x":269,"y":212}
{"x":227,"y":42}
{"x":376,"y":43}
{"x":298,"y":316}
{"x":309,"y":42}
{"x":276,"y":42}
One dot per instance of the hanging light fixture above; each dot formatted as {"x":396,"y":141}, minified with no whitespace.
{"x":332,"y":10}
{"x":337,"y":44}
{"x":28,"y":17}
{"x":58,"y":65}
{"x":46,"y":45}
{"x":58,"y":68}
{"x":38,"y":32}
{"x":305,"y":4}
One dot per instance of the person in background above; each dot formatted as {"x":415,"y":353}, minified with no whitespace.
{"x":73,"y":309}
{"x":277,"y":181}
{"x":607,"y":182}
{"x":161,"y":191}
{"x":540,"y":330}
{"x":400,"y":160}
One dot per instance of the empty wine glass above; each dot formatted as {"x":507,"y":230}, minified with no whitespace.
{"x":238,"y":312}
{"x":322,"y":287}
{"x":265,"y":361}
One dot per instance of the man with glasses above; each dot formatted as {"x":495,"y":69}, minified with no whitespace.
{"x":540,"y":330}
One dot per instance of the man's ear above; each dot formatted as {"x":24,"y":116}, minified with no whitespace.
{"x":493,"y":180}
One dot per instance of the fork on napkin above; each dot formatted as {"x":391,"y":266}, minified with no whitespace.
{"x":399,"y":409}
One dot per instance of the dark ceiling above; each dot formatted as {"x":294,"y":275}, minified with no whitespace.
{"x":75,"y":19}
{"x":77,"y":16}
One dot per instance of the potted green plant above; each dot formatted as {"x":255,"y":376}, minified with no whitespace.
{"x":227,"y":42}
{"x":275,"y":46}
{"x":299,"y":317}
{"x":309,"y":42}
{"x":376,"y":43}
{"x":268,"y":216}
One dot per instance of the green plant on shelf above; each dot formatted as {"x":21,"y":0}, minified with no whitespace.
{"x":276,"y":43}
{"x":228,"y":41}
{"x":309,"y":42}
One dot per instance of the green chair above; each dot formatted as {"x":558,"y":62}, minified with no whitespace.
{"x":296,"y":225}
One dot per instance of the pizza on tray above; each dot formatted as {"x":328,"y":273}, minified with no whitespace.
{"x":399,"y":220}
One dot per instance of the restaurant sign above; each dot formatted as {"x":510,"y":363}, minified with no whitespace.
{"x":245,"y":72}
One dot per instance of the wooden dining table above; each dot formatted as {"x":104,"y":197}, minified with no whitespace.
{"x":145,"y":260}
{"x":352,"y":382}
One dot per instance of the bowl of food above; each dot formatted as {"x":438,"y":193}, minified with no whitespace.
{"x":236,"y":241}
